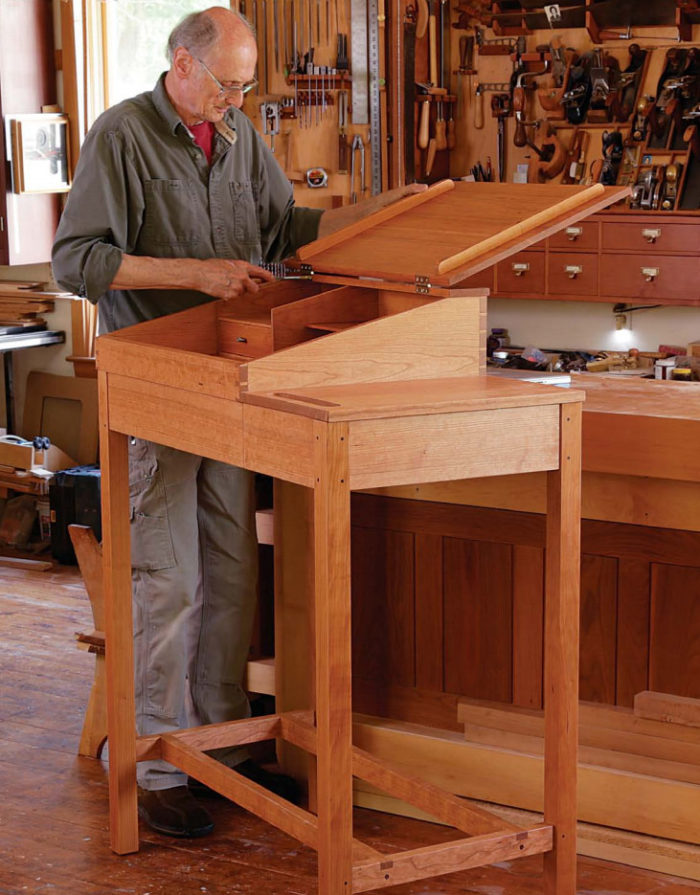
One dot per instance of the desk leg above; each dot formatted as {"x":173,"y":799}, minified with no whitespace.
{"x":119,"y":650}
{"x":561,"y":654}
{"x":332,"y":628}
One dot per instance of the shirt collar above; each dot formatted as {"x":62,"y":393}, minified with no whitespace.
{"x":163,"y":105}
{"x":165,"y":108}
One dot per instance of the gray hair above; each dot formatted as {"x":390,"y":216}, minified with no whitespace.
{"x":197,"y":32}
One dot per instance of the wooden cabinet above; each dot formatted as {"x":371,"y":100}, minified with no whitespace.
{"x":651,"y":259}
{"x":640,"y":608}
{"x":27,"y":81}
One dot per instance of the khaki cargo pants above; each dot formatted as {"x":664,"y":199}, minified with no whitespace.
{"x":194,"y":574}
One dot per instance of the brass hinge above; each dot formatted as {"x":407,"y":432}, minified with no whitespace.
{"x":423,"y":285}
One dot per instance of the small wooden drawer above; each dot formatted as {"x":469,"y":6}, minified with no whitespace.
{"x":523,"y":273}
{"x":651,"y":276}
{"x":241,"y":337}
{"x":665,"y":236}
{"x":483,"y":278}
{"x":573,"y":273}
{"x":581,"y":235}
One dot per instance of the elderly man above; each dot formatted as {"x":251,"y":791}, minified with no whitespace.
{"x":175,"y":201}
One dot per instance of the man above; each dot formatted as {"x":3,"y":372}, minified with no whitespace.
{"x":175,"y":201}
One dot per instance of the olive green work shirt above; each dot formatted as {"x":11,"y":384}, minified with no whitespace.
{"x":144,"y":187}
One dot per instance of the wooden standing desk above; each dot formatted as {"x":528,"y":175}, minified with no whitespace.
{"x":397,"y":397}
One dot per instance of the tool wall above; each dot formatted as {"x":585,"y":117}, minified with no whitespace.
{"x":320,"y":104}
{"x":357,"y":96}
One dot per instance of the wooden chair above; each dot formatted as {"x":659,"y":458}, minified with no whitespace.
{"x":88,"y":552}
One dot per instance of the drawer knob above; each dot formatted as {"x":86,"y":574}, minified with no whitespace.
{"x":520,"y":269}
{"x":573,"y":270}
{"x":650,"y":273}
{"x":573,"y":233}
{"x":651,"y":234}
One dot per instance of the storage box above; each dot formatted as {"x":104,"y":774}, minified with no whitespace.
{"x":74,"y":497}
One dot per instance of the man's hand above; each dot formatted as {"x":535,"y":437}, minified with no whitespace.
{"x":337,"y":218}
{"x":229,"y":279}
{"x":218,"y":277}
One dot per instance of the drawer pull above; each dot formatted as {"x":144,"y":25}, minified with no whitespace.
{"x":520,"y":269}
{"x":573,"y":233}
{"x":573,"y":270}
{"x":241,"y":339}
{"x":651,"y":234}
{"x":650,"y":273}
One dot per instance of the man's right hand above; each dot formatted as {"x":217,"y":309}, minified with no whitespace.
{"x":219,"y":277}
{"x":229,"y":279}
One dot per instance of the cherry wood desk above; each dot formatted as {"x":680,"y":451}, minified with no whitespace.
{"x":394,"y":394}
{"x":334,"y":439}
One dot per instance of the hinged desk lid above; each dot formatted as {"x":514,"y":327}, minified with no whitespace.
{"x":453,"y":230}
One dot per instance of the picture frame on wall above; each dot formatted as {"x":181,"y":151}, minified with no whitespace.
{"x":40,"y":153}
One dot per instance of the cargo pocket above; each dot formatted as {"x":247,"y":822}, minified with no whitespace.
{"x":151,"y":542}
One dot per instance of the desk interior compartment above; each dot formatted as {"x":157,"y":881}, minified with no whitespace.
{"x":291,"y":312}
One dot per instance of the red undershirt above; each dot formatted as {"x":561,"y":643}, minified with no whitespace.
{"x":203,"y":134}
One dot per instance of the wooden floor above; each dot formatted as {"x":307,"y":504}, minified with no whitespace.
{"x":53,"y":804}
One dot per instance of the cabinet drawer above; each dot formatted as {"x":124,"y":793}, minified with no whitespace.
{"x":664,"y":235}
{"x":244,"y":338}
{"x":522,"y":273}
{"x":572,"y":273}
{"x":650,"y":276}
{"x":582,"y":235}
{"x":483,"y":278}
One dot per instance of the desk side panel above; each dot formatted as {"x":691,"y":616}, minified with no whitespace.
{"x":442,"y":339}
{"x":279,"y":444}
{"x":186,"y":420}
{"x":442,"y":447}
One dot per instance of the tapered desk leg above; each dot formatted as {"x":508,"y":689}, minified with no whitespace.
{"x":332,"y":627}
{"x":561,"y":654}
{"x":119,"y":653}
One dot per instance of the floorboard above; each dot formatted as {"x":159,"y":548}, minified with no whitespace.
{"x":53,"y":804}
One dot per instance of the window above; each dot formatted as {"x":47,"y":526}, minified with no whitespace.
{"x":135,"y":35}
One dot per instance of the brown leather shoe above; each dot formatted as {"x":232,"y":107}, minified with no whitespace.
{"x":174,"y":812}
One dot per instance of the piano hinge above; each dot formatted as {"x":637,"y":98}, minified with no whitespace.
{"x":282,"y":272}
{"x":423,"y":285}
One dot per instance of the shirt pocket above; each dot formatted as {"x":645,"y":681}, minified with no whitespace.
{"x":246,"y":227}
{"x":170,"y":218}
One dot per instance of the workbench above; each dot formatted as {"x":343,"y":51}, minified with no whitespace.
{"x":394,"y":395}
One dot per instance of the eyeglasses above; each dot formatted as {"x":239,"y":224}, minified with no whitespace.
{"x":229,"y":92}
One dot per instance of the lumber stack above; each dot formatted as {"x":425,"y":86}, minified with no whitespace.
{"x":626,"y":762}
{"x":23,"y":303}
